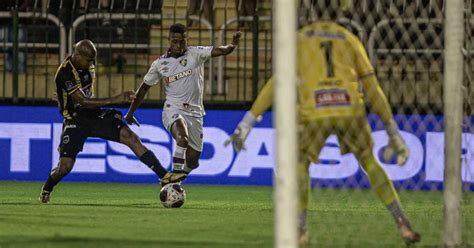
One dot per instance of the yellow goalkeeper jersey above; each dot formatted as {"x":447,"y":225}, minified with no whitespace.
{"x":331,"y":60}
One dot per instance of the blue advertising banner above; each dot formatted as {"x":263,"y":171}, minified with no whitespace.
{"x":29,"y":137}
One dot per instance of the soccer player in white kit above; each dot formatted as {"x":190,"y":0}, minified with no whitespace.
{"x":181,"y":69}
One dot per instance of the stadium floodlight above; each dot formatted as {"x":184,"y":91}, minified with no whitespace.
{"x":453,"y":76}
{"x":284,"y":54}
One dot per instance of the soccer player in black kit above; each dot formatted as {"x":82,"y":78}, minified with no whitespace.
{"x":84,"y":118}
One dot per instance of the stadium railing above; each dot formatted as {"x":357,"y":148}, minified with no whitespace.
{"x":220,"y":86}
{"x":240,"y":76}
{"x":17,"y":85}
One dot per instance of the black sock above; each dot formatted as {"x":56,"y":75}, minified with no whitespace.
{"x":50,"y":183}
{"x":153,"y":163}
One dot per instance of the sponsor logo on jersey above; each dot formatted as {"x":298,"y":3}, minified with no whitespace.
{"x":329,"y":35}
{"x":331,"y":97}
{"x":330,"y":83}
{"x":70,"y":126}
{"x":178,"y":76}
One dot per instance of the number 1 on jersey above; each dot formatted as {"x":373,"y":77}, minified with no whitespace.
{"x":327,"y":46}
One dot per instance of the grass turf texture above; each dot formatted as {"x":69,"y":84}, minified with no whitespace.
{"x":122,"y":215}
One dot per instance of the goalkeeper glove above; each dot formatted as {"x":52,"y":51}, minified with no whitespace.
{"x":242,"y":131}
{"x":396,"y":145}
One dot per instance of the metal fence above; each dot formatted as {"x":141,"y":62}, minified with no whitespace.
{"x":130,"y":35}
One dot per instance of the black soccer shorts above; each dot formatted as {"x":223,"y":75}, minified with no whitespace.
{"x":105,"y":124}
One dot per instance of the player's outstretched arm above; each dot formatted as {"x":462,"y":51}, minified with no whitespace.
{"x":142,"y":90}
{"x":396,"y":145}
{"x":261,"y":104}
{"x":242,"y":131}
{"x":79,"y":97}
{"x":224,"y":50}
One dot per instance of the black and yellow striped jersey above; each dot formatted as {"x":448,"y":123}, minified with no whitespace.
{"x":69,"y":80}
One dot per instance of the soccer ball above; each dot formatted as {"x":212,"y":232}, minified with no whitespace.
{"x":172,"y":195}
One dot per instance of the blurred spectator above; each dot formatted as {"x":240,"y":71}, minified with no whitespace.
{"x":7,"y":35}
{"x":120,"y":61}
{"x":201,"y":8}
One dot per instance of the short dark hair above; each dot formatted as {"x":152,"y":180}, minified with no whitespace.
{"x":178,"y":28}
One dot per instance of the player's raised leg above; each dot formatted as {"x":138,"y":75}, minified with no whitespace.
{"x":130,"y":139}
{"x":384,"y":189}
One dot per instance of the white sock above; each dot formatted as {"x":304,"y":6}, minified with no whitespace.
{"x":179,"y":157}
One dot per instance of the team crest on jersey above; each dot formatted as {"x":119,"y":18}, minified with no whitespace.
{"x":183,"y":62}
{"x":164,"y":63}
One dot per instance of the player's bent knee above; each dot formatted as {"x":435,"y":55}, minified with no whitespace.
{"x":182,"y":141}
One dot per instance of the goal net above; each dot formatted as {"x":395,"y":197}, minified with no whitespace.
{"x":405,"y":42}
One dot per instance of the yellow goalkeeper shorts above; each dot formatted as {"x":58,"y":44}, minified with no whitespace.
{"x":353,"y":133}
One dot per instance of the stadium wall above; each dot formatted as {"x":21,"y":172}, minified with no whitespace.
{"x":29,"y":137}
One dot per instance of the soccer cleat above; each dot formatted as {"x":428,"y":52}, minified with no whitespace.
{"x":177,"y":172}
{"x":44,"y":196}
{"x":303,"y":236}
{"x":172,"y":177}
{"x":408,"y":235}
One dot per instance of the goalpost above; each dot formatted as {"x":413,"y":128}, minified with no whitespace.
{"x":285,"y":188}
{"x":453,"y":99}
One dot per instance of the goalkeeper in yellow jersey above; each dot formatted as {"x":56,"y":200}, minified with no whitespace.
{"x":332,"y":65}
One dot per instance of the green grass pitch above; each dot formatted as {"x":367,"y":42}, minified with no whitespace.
{"x":130,"y":215}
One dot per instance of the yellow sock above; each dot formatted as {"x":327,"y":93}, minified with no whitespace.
{"x":379,"y":180}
